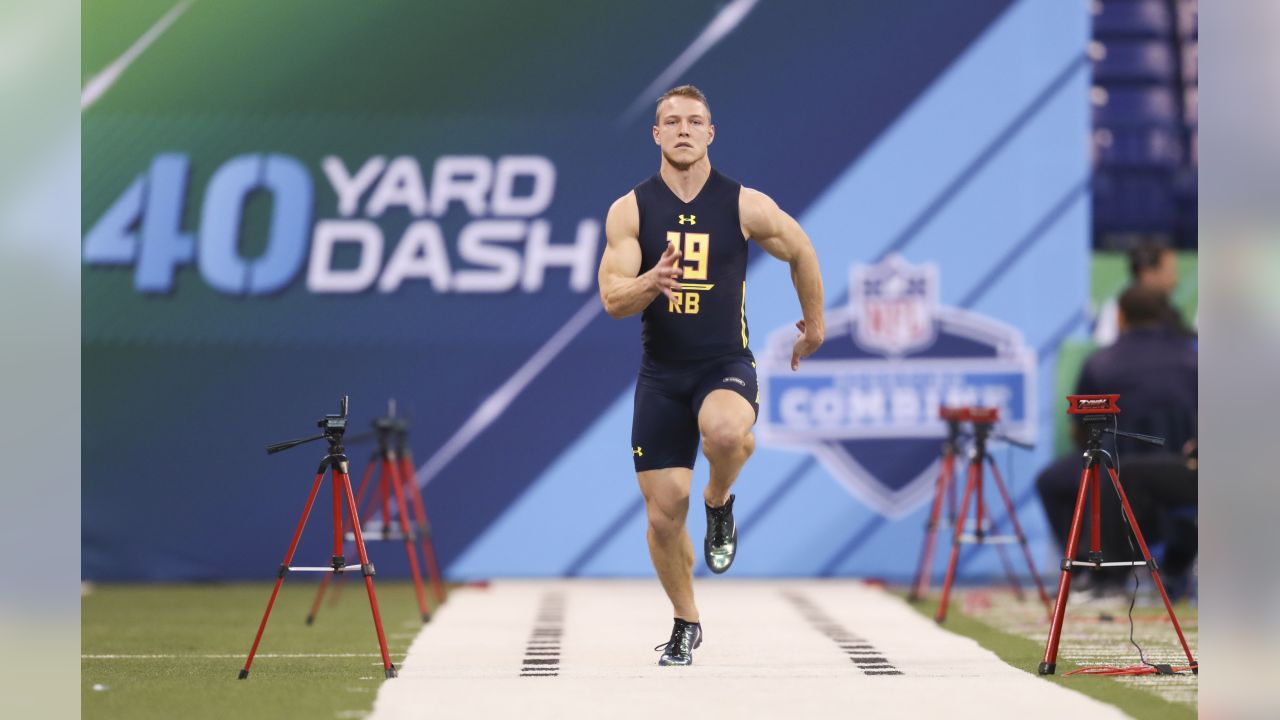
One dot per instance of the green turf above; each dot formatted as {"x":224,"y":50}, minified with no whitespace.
{"x":191,"y":621}
{"x":1027,"y":654}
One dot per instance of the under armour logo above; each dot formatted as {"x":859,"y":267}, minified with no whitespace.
{"x":638,"y":451}
{"x":691,"y":219}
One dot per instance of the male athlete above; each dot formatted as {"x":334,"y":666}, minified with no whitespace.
{"x":677,"y":251}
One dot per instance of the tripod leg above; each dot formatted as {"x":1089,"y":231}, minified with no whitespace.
{"x":339,"y":559}
{"x":284,"y":568}
{"x":386,"y":502}
{"x":405,"y":530}
{"x":955,"y":543}
{"x":420,"y":515}
{"x":920,"y":585}
{"x":980,"y":522}
{"x":364,"y":482}
{"x":1095,"y":518}
{"x":1050,"y":662}
{"x":371,"y":504}
{"x":1017,"y":530}
{"x":1151,"y":565}
{"x":336,"y":577}
{"x":366,"y":568}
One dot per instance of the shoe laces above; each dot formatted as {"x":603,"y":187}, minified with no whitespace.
{"x":681,"y":639}
{"x":720,"y":523}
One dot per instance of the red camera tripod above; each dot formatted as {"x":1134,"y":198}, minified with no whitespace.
{"x":395,"y":480}
{"x":336,"y":460}
{"x":1097,"y":412}
{"x":983,"y":420}
{"x":945,"y":486}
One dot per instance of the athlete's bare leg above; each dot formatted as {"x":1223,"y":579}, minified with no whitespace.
{"x":666,"y":496}
{"x":725,"y":422}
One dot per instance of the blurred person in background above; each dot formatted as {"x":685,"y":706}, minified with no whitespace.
{"x":1153,"y":367}
{"x":1151,"y":265}
{"x":677,"y":252}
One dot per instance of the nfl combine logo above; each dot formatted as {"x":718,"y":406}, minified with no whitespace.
{"x":866,"y":404}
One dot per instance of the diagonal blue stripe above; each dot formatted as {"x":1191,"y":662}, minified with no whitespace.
{"x":575,"y":568}
{"x":1025,"y":243}
{"x":864,"y":533}
{"x":1049,"y":346}
{"x":985,"y":156}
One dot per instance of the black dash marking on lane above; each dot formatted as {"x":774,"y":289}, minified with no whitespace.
{"x":864,"y":655}
{"x":542,"y":650}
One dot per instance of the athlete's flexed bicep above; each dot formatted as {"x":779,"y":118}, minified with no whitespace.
{"x":623,"y":290}
{"x":782,"y":237}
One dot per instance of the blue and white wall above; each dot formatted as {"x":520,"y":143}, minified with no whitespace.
{"x":950,"y":134}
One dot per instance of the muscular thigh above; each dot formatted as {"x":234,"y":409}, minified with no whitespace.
{"x":664,"y":428}
{"x":728,"y":397}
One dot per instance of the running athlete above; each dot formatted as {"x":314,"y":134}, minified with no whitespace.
{"x":677,"y":252}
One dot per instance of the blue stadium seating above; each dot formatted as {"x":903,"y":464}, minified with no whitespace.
{"x":1145,"y":57}
{"x":1133,"y":18}
{"x":1135,"y":61}
{"x":1137,"y":106}
{"x":1141,"y":147}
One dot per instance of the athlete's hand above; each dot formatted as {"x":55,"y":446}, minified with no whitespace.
{"x":667,"y":270}
{"x":806,"y":345}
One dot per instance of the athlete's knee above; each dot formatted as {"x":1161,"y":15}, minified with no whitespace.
{"x":667,"y":509}
{"x":725,"y":440}
{"x":665,"y":523}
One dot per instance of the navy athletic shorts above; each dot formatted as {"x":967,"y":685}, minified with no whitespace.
{"x":664,"y":426}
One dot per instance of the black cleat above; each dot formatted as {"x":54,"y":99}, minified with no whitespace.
{"x":685,"y":637}
{"x":721,"y":542}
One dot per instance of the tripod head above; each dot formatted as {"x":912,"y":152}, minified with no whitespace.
{"x":984,"y":420}
{"x":1097,"y":413}
{"x":333,"y":426}
{"x":390,"y":428}
{"x":952,"y":416}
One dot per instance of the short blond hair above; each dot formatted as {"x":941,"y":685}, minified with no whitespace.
{"x":687,"y":91}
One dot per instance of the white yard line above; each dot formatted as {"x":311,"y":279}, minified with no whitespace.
{"x":102,"y":82}
{"x":794,"y":649}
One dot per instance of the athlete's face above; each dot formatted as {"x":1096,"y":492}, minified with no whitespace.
{"x":684,"y":130}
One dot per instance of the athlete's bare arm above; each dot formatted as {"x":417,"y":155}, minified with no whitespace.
{"x":623,"y":290}
{"x":782,"y":237}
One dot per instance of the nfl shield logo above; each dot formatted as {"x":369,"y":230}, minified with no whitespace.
{"x":894,"y":305}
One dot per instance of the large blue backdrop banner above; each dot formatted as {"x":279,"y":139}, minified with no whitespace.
{"x":407,"y":202}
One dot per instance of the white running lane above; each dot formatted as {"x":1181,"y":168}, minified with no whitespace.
{"x":771,"y":650}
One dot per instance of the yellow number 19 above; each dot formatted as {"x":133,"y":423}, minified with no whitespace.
{"x":696,"y":249}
